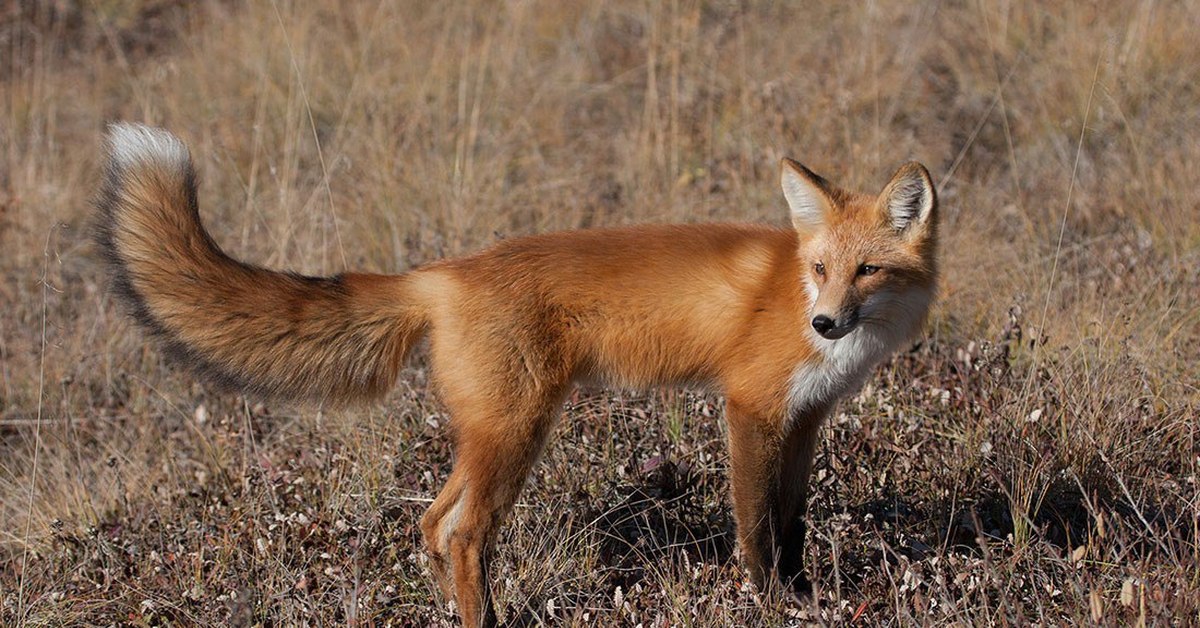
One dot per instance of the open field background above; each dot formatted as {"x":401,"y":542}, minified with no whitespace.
{"x":1033,"y":459}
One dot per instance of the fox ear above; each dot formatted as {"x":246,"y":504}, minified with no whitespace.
{"x":909,"y":200}
{"x":807,"y":195}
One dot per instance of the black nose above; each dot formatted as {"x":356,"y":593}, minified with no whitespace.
{"x":823,"y":324}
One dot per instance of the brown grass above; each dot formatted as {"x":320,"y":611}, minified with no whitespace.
{"x":1035,"y":459}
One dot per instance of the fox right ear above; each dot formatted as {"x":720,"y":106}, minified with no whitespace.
{"x":807,"y":195}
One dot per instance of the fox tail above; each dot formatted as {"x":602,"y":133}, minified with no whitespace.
{"x":273,"y":334}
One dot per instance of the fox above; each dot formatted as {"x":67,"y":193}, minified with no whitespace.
{"x":782,"y":321}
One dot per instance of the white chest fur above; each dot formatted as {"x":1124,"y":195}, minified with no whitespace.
{"x":841,"y":366}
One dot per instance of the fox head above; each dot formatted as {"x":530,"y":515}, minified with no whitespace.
{"x":865,"y":261}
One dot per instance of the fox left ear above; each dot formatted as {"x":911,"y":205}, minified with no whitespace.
{"x":909,"y":200}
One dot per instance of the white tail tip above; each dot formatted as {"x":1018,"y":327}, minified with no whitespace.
{"x":130,"y":144}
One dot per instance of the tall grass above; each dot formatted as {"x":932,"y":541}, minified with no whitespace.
{"x":1034,"y":459}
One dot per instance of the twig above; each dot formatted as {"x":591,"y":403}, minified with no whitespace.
{"x":37,"y":436}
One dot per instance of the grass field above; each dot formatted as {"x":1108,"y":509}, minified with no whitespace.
{"x":1033,"y":459}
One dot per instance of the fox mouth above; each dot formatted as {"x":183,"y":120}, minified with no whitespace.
{"x":838,"y":332}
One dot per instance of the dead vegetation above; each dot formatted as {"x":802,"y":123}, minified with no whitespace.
{"x":1033,"y":460}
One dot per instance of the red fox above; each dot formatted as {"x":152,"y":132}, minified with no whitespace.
{"x":783,"y":321}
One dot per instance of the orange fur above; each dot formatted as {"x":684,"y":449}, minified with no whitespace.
{"x":513,"y":327}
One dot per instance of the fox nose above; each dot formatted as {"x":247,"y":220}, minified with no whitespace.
{"x":823,"y":324}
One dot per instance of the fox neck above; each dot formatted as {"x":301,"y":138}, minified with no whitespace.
{"x":839,"y":367}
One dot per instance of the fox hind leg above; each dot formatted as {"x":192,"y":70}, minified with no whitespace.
{"x":494,"y":453}
{"x":438,"y":520}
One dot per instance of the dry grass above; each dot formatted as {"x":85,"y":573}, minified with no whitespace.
{"x":1035,"y":459}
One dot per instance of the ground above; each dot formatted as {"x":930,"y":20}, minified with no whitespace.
{"x":1033,"y":458}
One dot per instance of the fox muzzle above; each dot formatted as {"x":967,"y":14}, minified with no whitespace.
{"x":833,"y":328}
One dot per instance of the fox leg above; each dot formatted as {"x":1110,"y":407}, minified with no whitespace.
{"x":770,"y":464}
{"x":494,"y":455}
{"x":797,"y":453}
{"x":448,"y":499}
{"x":754,"y":447}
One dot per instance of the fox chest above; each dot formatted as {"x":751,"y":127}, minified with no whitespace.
{"x":839,"y":369}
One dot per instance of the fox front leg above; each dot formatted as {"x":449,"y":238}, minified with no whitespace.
{"x":770,"y":464}
{"x":795,"y":464}
{"x":754,"y":448}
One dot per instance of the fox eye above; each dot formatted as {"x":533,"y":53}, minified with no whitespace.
{"x":819,"y":268}
{"x":867,"y":269}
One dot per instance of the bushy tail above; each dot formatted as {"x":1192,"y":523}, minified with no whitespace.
{"x":269,"y":333}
